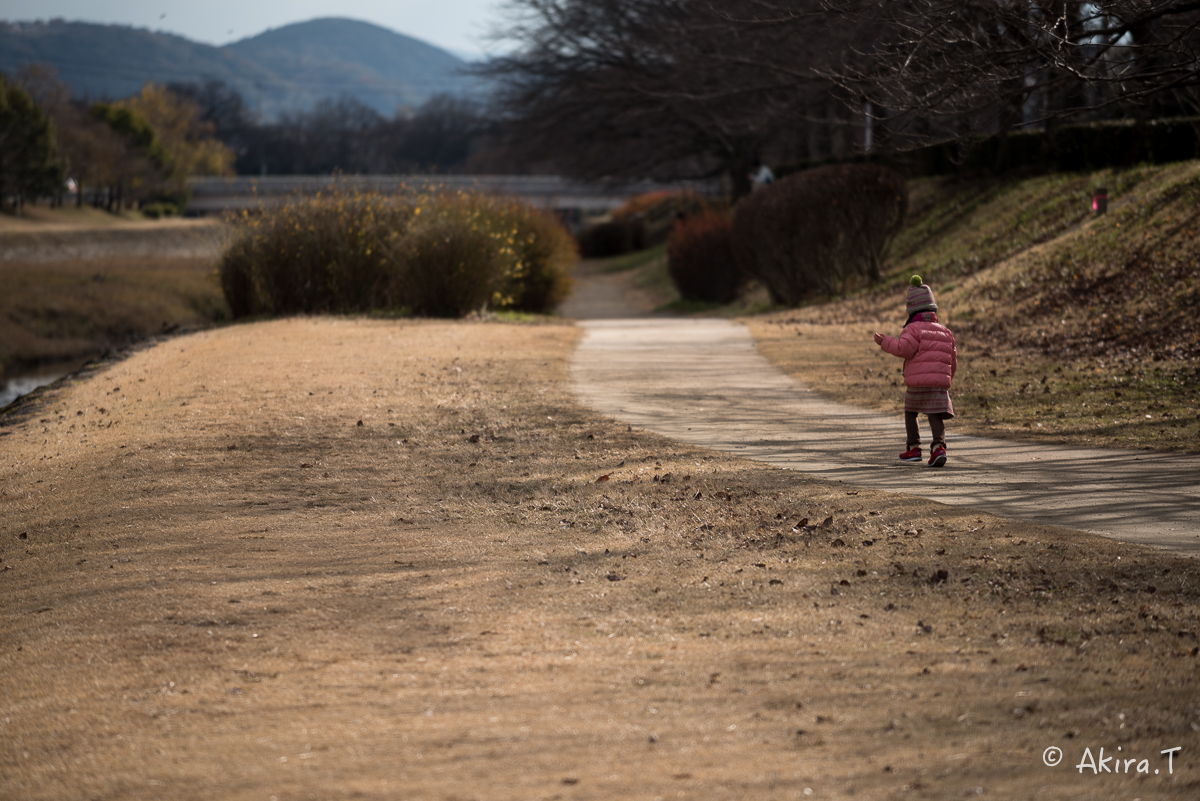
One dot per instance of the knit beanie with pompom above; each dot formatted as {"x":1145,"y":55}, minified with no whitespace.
{"x":919,"y":298}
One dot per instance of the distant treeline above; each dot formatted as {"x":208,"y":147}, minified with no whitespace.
{"x":444,"y":135}
{"x":140,"y":151}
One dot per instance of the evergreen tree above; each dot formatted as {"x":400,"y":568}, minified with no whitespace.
{"x":142,"y":163}
{"x":30,"y":166}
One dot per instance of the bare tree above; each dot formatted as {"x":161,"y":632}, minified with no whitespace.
{"x":946,"y":68}
{"x":664,"y":88}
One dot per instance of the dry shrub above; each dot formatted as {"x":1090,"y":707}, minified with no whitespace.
{"x":327,"y":253}
{"x":471,"y":251}
{"x":642,"y":222}
{"x":452,"y":265}
{"x":653,"y":214}
{"x":700,"y":258}
{"x":819,"y":232}
{"x":438,"y":255}
{"x":545,"y":255}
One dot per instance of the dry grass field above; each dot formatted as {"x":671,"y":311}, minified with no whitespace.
{"x":333,"y":558}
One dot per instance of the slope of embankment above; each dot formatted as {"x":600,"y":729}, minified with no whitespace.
{"x":1071,"y":326}
{"x":79,"y":283}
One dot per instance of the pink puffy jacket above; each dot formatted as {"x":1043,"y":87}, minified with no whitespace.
{"x":930,"y":358}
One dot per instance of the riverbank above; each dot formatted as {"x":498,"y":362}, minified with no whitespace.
{"x":77,"y":289}
{"x":342,"y":558}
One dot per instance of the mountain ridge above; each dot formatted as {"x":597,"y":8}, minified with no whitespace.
{"x":282,"y":70}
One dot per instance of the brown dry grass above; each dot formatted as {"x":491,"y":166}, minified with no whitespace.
{"x":73,"y":309}
{"x":1003,"y":390}
{"x":1070,"y":329}
{"x":217,"y":584}
{"x":42,"y":217}
{"x":80,"y":282}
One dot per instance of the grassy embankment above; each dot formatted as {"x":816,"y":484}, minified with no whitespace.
{"x":1070,"y":327}
{"x":79,"y":282}
{"x":335,"y":558}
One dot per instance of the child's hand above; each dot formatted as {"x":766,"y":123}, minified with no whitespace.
{"x":878,"y":338}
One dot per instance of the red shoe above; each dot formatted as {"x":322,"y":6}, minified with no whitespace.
{"x":938,"y":457}
{"x":911,"y":455}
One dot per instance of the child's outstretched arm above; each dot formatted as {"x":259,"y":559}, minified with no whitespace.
{"x":904,"y":347}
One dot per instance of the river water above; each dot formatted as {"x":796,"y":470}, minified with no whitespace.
{"x":23,"y":385}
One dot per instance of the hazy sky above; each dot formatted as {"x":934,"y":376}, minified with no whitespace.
{"x":460,"y":26}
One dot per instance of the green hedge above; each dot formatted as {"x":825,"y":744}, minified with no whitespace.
{"x":1085,"y":146}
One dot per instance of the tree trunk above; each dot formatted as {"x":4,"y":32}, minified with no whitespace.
{"x":739,"y":177}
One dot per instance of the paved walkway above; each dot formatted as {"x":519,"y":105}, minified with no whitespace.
{"x":702,"y":381}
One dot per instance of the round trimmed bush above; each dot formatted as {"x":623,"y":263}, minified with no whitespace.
{"x":700,"y":258}
{"x":821,"y":231}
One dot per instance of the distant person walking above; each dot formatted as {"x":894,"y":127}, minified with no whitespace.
{"x":930,"y":362}
{"x":761,"y":176}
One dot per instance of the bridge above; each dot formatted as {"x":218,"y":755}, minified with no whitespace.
{"x":215,"y":195}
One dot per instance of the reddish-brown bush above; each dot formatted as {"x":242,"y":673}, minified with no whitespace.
{"x":821,"y":231}
{"x":700,"y":258}
{"x":652,"y":215}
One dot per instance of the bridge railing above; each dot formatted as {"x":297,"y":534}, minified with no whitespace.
{"x":219,"y":194}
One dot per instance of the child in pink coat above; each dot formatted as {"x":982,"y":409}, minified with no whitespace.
{"x":930,"y":361}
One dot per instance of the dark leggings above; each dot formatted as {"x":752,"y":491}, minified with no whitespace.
{"x":937,"y":427}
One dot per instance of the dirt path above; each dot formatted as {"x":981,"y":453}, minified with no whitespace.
{"x":599,"y":295}
{"x":701,"y":381}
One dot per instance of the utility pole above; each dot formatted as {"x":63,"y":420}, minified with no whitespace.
{"x":262,"y":142}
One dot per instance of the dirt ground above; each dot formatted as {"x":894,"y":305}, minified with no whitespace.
{"x":330,"y":558}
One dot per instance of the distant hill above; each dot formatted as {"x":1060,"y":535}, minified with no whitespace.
{"x":283,"y":69}
{"x":330,"y":57}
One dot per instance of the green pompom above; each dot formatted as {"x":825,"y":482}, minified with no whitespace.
{"x":915,"y":280}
